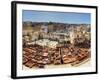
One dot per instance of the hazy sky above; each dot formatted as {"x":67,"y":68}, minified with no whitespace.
{"x":62,"y":17}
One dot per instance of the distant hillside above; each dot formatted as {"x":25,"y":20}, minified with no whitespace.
{"x":28,"y":23}
{"x":52,"y":26}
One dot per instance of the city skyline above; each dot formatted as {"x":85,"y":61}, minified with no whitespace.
{"x":61,"y":17}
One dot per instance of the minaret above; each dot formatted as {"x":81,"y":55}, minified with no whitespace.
{"x":72,"y":35}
